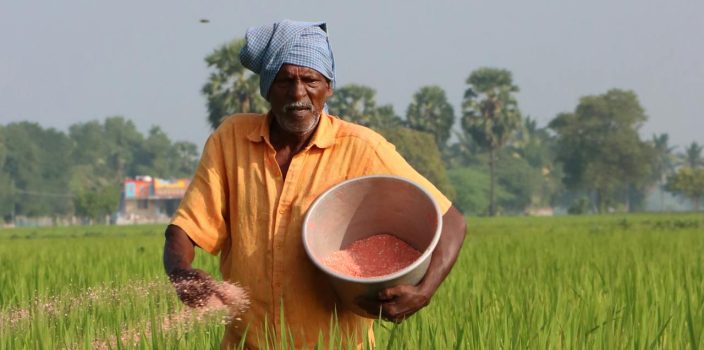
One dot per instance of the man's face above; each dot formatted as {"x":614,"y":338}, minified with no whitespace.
{"x":297,"y":97}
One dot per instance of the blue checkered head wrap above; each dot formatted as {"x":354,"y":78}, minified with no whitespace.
{"x":301,"y":43}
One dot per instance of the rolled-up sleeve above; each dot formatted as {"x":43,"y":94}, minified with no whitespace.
{"x":203,"y":210}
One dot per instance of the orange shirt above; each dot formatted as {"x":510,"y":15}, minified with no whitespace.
{"x":238,"y":205}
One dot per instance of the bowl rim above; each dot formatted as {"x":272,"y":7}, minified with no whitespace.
{"x":383,"y":278}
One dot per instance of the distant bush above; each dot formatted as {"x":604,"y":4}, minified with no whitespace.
{"x":420,"y":150}
{"x":579,"y":207}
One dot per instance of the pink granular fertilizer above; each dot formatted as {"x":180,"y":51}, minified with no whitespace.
{"x":373,"y":256}
{"x":230,"y":302}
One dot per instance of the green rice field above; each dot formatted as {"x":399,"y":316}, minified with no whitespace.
{"x":588,"y":282}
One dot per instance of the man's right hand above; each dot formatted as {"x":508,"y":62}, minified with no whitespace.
{"x":193,"y":286}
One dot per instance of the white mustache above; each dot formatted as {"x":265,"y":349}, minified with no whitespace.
{"x":297,"y":105}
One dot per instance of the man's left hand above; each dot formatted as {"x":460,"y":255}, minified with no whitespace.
{"x":397,"y":303}
{"x":400,"y":302}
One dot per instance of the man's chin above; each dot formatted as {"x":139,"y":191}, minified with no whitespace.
{"x":299,"y":126}
{"x":298,"y":123}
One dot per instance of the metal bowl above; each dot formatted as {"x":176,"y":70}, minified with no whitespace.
{"x":363,"y":207}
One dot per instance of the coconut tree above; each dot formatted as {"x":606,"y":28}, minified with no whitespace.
{"x":353,"y":102}
{"x":490,"y":115}
{"x":430,"y":112}
{"x":693,"y":155}
{"x":357,"y":103}
{"x":231,"y":88}
{"x":663,"y":162}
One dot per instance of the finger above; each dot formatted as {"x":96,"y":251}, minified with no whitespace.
{"x":389,"y":294}
{"x":398,"y":310}
{"x":391,"y":310}
{"x":391,"y":313}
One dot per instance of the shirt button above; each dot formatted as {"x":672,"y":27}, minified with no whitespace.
{"x":281,"y":211}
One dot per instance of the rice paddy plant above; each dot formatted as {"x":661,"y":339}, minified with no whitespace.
{"x":616,"y":282}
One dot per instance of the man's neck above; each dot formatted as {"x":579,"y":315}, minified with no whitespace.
{"x":285,"y":140}
{"x":287,"y":144}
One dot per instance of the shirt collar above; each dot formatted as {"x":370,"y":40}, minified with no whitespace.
{"x":323,"y":137}
{"x":261,"y":131}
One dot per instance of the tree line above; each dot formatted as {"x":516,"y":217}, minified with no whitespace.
{"x":49,"y":173}
{"x":592,"y":159}
{"x":489,"y":157}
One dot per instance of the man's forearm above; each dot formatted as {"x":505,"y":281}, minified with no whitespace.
{"x":447,"y":250}
{"x":193,"y":286}
{"x":178,"y":250}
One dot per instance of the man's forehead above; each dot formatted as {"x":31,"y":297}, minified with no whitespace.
{"x":291,"y":69}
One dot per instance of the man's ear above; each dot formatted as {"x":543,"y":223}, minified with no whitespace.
{"x":329,"y":91}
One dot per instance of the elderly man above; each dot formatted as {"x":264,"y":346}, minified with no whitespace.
{"x":257,"y":177}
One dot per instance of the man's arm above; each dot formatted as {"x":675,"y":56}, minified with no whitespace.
{"x":179,"y":250}
{"x":193,"y":286}
{"x":400,"y":302}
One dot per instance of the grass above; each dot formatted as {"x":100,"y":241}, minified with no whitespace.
{"x":614,"y":282}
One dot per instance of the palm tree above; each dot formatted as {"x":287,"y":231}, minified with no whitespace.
{"x":353,"y":102}
{"x":490,"y":115}
{"x":231,"y":88}
{"x":430,"y":112}
{"x":357,"y":103}
{"x":693,"y":155}
{"x":663,"y":162}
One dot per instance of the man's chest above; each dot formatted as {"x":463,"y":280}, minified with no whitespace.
{"x":281,"y":180}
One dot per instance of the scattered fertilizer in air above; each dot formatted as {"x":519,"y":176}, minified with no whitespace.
{"x":224,"y":306}
{"x":373,"y":256}
{"x":54,"y":306}
{"x":225,"y":296}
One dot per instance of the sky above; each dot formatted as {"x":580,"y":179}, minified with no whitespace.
{"x":67,"y":62}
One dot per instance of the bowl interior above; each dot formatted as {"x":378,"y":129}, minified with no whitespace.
{"x":366,"y":206}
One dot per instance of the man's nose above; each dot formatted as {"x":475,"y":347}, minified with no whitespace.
{"x":297,"y":89}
